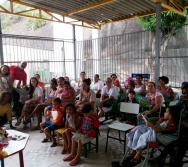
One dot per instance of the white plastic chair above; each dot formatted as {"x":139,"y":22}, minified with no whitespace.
{"x":131,"y":108}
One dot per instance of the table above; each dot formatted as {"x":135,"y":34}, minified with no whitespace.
{"x":16,"y":146}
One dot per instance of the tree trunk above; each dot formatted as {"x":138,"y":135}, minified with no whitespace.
{"x":151,"y":58}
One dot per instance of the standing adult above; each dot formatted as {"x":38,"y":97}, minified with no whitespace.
{"x":17,"y":73}
{"x":5,"y":81}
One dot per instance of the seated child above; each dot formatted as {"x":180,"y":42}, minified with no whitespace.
{"x":130,"y":87}
{"x":67,"y":93}
{"x":55,"y":122}
{"x":70,"y":126}
{"x":130,"y":98}
{"x":143,"y":134}
{"x":89,"y":125}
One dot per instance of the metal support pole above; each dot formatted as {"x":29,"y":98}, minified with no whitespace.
{"x":1,"y":45}
{"x":158,"y":41}
{"x":74,"y":52}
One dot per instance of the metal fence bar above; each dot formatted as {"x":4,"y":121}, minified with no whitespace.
{"x":121,"y":54}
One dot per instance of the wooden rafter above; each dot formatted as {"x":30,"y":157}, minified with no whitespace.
{"x":131,"y":17}
{"x":103,"y":2}
{"x":51,"y":13}
{"x":171,"y":5}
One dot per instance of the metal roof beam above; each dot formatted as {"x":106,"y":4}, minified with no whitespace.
{"x":171,"y":5}
{"x":103,"y":2}
{"x":50,"y":13}
{"x":133,"y":16}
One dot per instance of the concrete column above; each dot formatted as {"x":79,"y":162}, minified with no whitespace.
{"x":74,"y":50}
{"x":1,"y":45}
{"x":158,"y":42}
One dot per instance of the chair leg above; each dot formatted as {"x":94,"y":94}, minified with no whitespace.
{"x":58,"y":140}
{"x":125,"y":155}
{"x":124,"y":143}
{"x":85,"y":150}
{"x":107,"y":140}
{"x":97,"y":143}
{"x":145,"y":162}
{"x":119,"y":136}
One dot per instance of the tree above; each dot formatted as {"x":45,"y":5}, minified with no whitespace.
{"x":171,"y":25}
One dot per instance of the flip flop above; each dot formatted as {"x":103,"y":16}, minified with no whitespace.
{"x":19,"y":121}
{"x":54,"y":144}
{"x":74,"y":162}
{"x":128,"y":159}
{"x":64,"y":151}
{"x":69,"y":158}
{"x":41,"y":131}
{"x":45,"y":140}
{"x":134,"y":162}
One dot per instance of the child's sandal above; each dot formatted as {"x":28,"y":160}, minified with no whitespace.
{"x":64,"y":151}
{"x":134,"y":162}
{"x":74,"y":162}
{"x":127,"y":159}
{"x":41,"y":131}
{"x":19,"y":121}
{"x":54,"y":144}
{"x":44,"y":140}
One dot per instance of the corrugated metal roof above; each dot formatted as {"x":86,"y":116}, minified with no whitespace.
{"x":99,"y":12}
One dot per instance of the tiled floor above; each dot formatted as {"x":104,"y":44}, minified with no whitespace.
{"x":37,"y":154}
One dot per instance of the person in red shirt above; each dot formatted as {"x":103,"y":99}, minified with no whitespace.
{"x":17,"y":73}
{"x":89,"y":125}
{"x":56,"y":121}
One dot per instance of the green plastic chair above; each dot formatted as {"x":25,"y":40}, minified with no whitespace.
{"x":167,"y":101}
{"x":91,"y":145}
{"x":138,"y":97}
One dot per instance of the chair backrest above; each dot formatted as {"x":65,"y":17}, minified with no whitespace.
{"x":131,"y":108}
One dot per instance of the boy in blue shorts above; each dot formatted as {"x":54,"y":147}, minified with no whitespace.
{"x":56,"y":121}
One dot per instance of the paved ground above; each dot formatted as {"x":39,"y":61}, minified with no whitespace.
{"x":37,"y":154}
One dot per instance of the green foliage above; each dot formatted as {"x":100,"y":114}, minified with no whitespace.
{"x":170,"y":22}
{"x":34,"y":24}
{"x":7,"y":21}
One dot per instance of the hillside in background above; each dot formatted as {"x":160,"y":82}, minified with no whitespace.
{"x":24,"y":26}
